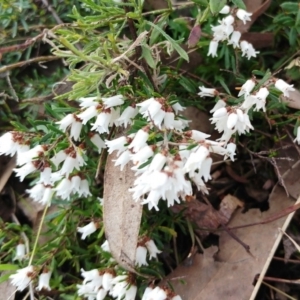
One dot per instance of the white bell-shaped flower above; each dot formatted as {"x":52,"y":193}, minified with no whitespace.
{"x":284,"y":87}
{"x":213,"y":47}
{"x":44,"y":281}
{"x":20,"y":252}
{"x":22,"y":278}
{"x":243,"y":15}
{"x":87,"y":229}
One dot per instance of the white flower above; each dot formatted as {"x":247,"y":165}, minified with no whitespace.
{"x":88,"y":114}
{"x":88,"y":101}
{"x":153,"y":251}
{"x":142,"y":155}
{"x":284,"y":87}
{"x":152,"y":110}
{"x":177,"y":107}
{"x":102,"y":122}
{"x":247,"y":49}
{"x":84,"y":190}
{"x":147,"y":291}
{"x":87,"y":229}
{"x":158,"y":162}
{"x":25,"y":170}
{"x":232,"y":120}
{"x":198,"y":136}
{"x":116,"y":144}
{"x":97,"y":141}
{"x":48,"y":192}
{"x":105,"y":246}
{"x":36,"y":192}
{"x":177,"y":297}
{"x":243,"y":15}
{"x":140,"y":256}
{"x":195,"y":160}
{"x":207,"y":92}
{"x":92,"y":276}
{"x":44,"y":280}
{"x":139,"y":140}
{"x":213,"y":47}
{"x":22,"y":278}
{"x":64,"y":189}
{"x":74,"y":160}
{"x":261,"y":96}
{"x":247,"y":87}
{"x":123,"y":159}
{"x":73,"y":121}
{"x":297,"y":139}
{"x":221,"y":103}
{"x":12,"y":143}
{"x":107,"y":281}
{"x":225,"y":10}
{"x":157,"y":294}
{"x":234,"y":39}
{"x":113,"y":101}
{"x":59,"y":157}
{"x":231,"y":147}
{"x":122,"y":288}
{"x":101,"y":294}
{"x":205,"y":169}
{"x":28,"y":156}
{"x":20,"y":252}
{"x":45,"y":176}
{"x":87,"y":290}
{"x":7,"y":144}
{"x":127,"y":115}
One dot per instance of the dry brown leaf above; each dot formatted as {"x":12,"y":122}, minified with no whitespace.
{"x":7,"y":290}
{"x":121,"y":215}
{"x":195,"y":276}
{"x":204,"y":216}
{"x":257,"y":7}
{"x":293,"y":100}
{"x":233,"y":277}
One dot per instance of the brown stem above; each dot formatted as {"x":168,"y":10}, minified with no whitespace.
{"x":27,"y":62}
{"x":138,"y":49}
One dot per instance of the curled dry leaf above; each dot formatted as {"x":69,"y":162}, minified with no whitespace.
{"x":121,"y":215}
{"x":204,"y":216}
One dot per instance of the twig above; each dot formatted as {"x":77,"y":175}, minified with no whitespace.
{"x":27,"y":62}
{"x":15,"y":96}
{"x":138,"y":49}
{"x":52,"y":11}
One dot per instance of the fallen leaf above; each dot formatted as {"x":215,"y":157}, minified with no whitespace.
{"x":233,"y":277}
{"x":293,"y":100}
{"x":257,"y":7}
{"x":121,"y":215}
{"x":188,"y":279}
{"x":205,"y":216}
{"x":7,"y":291}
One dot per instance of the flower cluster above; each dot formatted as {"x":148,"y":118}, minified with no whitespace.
{"x":24,"y":277}
{"x":225,"y":32}
{"x":97,"y":284}
{"x":235,"y":119}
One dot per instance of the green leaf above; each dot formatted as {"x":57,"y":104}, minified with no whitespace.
{"x":239,"y":4}
{"x":297,"y":23}
{"x":291,"y":7}
{"x":146,"y":53}
{"x":174,"y":44}
{"x":4,"y":277}
{"x":216,"y":5}
{"x":8,"y":267}
{"x":293,"y":36}
{"x":168,"y":230}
